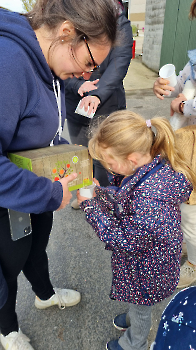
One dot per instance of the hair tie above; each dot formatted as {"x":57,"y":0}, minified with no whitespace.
{"x":148,"y":123}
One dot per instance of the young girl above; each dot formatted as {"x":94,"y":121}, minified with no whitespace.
{"x":138,"y":216}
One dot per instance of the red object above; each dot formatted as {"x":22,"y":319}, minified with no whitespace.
{"x":133,"y":49}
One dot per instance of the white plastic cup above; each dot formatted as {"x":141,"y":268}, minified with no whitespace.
{"x":87,"y":191}
{"x":169,"y":72}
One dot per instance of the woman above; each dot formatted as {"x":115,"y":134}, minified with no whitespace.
{"x":50,"y":41}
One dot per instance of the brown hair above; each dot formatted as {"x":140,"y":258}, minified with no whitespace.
{"x":126,"y":132}
{"x":192,"y":13}
{"x":96,"y":19}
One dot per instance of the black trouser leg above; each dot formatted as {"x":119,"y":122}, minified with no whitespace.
{"x":27,"y":254}
{"x":12,"y":258}
{"x":36,"y":266}
{"x":79,"y":135}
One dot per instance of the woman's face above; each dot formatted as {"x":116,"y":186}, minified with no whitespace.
{"x":67,"y":61}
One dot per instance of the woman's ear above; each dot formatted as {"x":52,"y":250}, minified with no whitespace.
{"x":67,"y":29}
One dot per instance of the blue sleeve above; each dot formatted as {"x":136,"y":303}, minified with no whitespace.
{"x":20,"y":189}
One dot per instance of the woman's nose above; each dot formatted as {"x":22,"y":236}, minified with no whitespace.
{"x":86,"y":75}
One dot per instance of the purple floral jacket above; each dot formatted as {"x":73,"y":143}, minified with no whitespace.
{"x":139,"y":220}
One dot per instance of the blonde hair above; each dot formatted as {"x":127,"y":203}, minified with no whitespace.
{"x":126,"y":132}
{"x":192,"y":13}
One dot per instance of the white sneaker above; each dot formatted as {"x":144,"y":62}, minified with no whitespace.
{"x":187,"y":275}
{"x":16,"y":341}
{"x":74,"y":204}
{"x":62,"y":298}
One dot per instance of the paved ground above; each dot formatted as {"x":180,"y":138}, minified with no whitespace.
{"x":78,"y":260}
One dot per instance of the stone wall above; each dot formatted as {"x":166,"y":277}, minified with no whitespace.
{"x":154,"y":22}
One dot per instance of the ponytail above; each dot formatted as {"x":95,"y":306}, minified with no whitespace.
{"x":192,"y":13}
{"x":165,"y":143}
{"x":126,"y":132}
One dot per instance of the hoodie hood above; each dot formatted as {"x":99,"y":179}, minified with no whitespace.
{"x":32,"y":109}
{"x":16,"y":27}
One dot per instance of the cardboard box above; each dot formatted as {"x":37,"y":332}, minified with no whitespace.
{"x":57,"y":162}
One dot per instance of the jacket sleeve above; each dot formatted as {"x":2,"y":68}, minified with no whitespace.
{"x":181,"y":79}
{"x":134,"y":228}
{"x":73,"y":84}
{"x":190,"y":105}
{"x":124,"y":235}
{"x":117,"y":63}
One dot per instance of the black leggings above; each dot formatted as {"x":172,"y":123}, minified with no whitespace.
{"x":29,"y":255}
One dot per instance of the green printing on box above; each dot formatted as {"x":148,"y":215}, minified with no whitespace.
{"x":57,"y":162}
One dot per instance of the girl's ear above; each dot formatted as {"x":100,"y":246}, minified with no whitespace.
{"x":67,"y":29}
{"x":132,"y":158}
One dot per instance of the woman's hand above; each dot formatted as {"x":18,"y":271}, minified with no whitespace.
{"x":161,"y":88}
{"x":66,"y":193}
{"x":90,"y":101}
{"x":174,"y":107}
{"x":87,"y":86}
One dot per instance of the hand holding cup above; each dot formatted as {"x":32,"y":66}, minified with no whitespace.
{"x":166,"y":82}
{"x":87,"y":192}
{"x":161,"y":88}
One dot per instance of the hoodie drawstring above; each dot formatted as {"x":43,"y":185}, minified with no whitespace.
{"x":57,"y":93}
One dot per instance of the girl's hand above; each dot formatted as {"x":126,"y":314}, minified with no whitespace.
{"x":87,"y":86}
{"x":174,"y":107}
{"x":96,"y":182}
{"x":160,"y":88}
{"x":82,"y":199}
{"x":90,"y":101}
{"x":66,"y":193}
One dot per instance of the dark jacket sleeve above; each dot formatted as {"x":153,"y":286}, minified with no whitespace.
{"x":116,"y":63}
{"x":73,"y":85}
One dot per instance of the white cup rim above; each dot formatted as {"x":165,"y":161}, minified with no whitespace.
{"x":165,"y":68}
